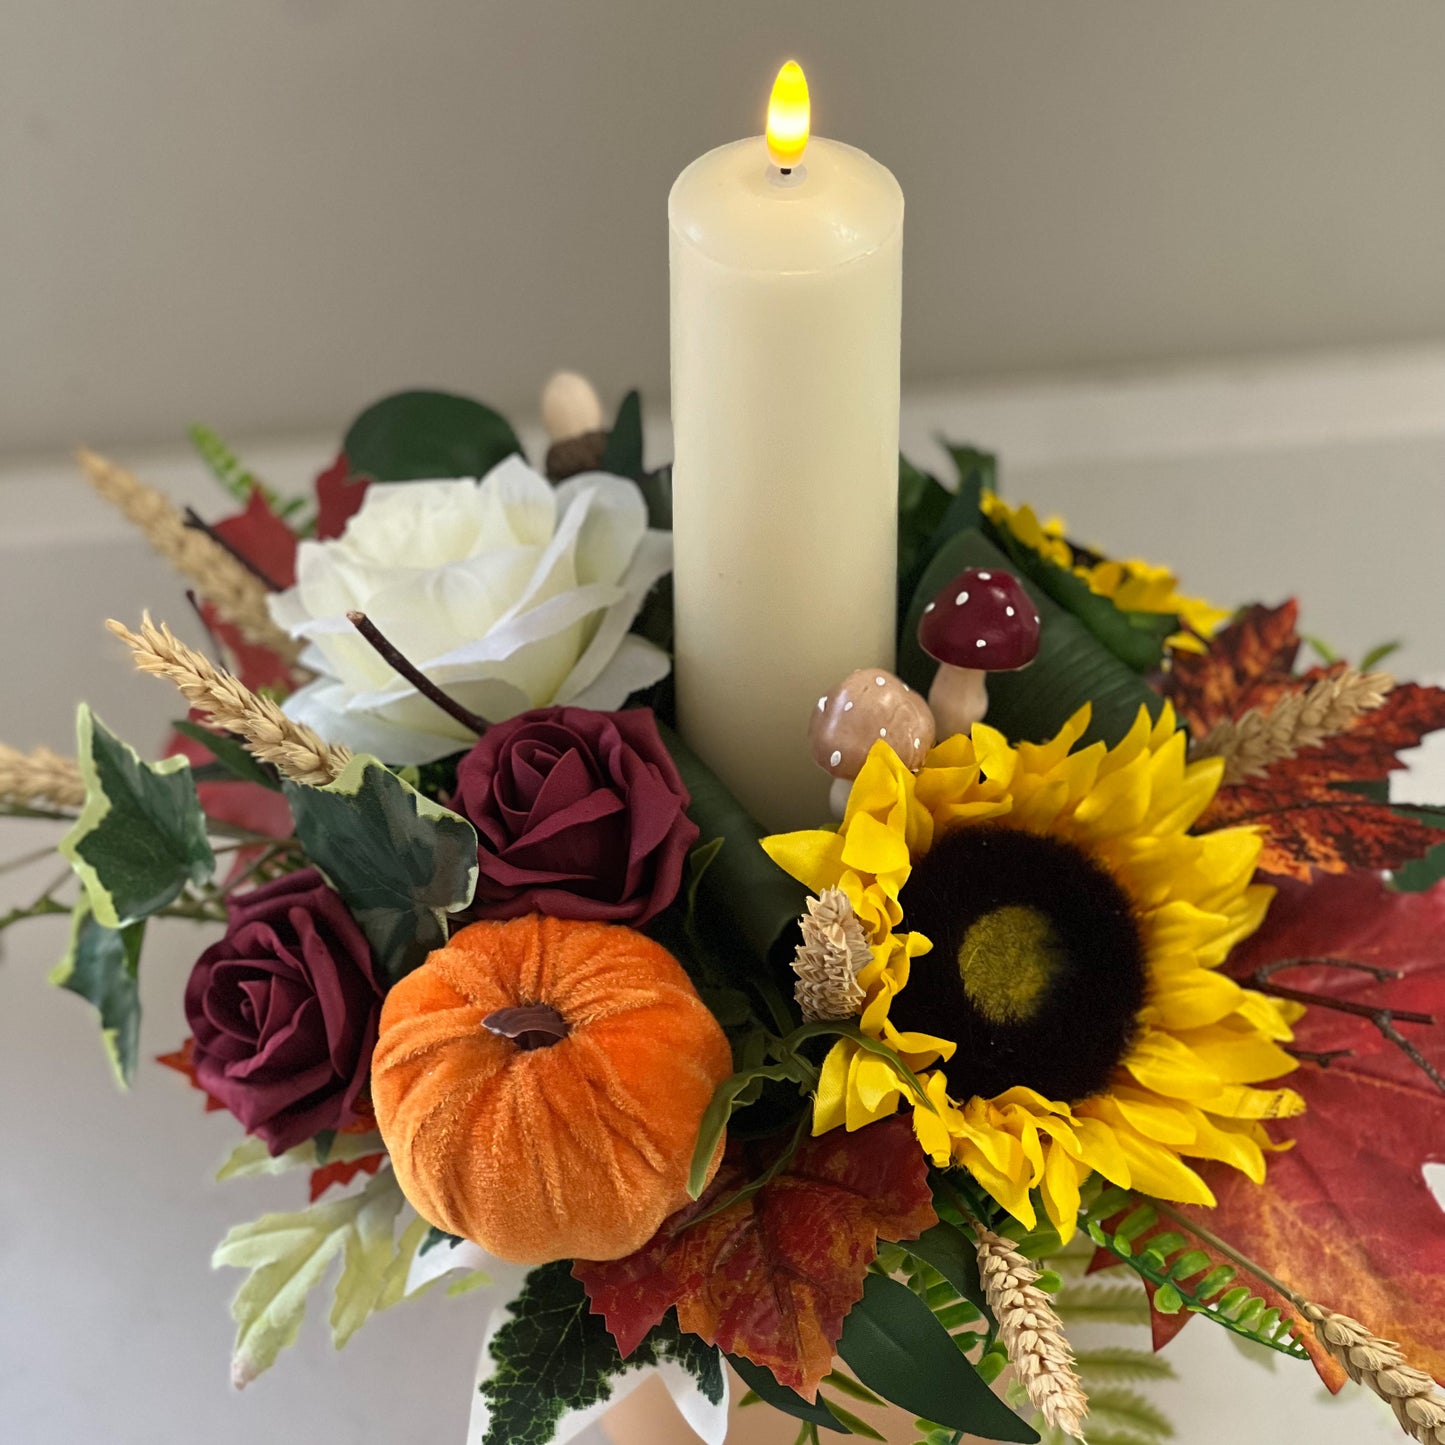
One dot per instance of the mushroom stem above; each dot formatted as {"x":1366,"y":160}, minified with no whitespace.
{"x":838,"y":796}
{"x":959,"y":698}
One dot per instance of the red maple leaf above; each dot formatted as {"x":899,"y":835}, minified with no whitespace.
{"x":1247,"y":665}
{"x":1312,"y":821}
{"x":772,"y":1276}
{"x":1346,"y":1216}
{"x":183,"y":1063}
{"x":338,"y":495}
{"x":342,"y":1172}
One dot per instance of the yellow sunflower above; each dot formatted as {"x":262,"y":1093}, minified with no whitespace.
{"x":1046,"y":937}
{"x":1132,"y":585}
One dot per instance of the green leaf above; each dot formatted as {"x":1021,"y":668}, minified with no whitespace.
{"x":229,"y":752}
{"x":400,"y":862}
{"x":893,"y":1344}
{"x":1168,"y":1300}
{"x":141,"y":836}
{"x":102,"y":965}
{"x":1072,"y":667}
{"x":853,"y":1424}
{"x":251,"y":1157}
{"x":726,"y":1097}
{"x":955,"y":1256}
{"x":554,"y":1357}
{"x":417,"y":435}
{"x":847,"y":1385}
{"x":762,"y":1383}
{"x":288,"y":1255}
{"x":622,"y":455}
{"x":747,"y":907}
{"x":1422,"y":873}
{"x":977,"y":474}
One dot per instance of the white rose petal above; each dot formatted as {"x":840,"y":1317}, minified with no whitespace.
{"x":507,"y":592}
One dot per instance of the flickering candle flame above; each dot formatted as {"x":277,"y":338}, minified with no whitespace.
{"x":788,"y":117}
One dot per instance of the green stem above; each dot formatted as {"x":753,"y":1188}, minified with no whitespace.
{"x":41,"y":908}
{"x":26,"y":859}
{"x":24,"y":810}
{"x":1230,"y":1252}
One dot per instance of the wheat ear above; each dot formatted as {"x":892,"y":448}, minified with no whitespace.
{"x":40,"y":776}
{"x":269,"y":735}
{"x":238,"y":595}
{"x":1252,"y":744}
{"x":833,"y":952}
{"x":1379,"y":1366}
{"x":1032,"y":1333}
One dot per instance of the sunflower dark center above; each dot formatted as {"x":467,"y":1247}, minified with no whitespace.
{"x":1037,"y":968}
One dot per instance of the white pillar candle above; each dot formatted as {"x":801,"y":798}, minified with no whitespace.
{"x":786,"y":299}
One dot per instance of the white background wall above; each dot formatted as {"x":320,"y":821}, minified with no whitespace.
{"x":264,"y":214}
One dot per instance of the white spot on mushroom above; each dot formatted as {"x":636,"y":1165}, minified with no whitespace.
{"x":960,"y":599}
{"x":930,"y":607}
{"x":981,"y":642}
{"x":834,"y":758}
{"x":847,"y":707}
{"x":985,"y":576}
{"x":906,"y":688}
{"x":1036,"y":616}
{"x":918,"y":742}
{"x":882,"y":732}
{"x":1008,"y":612}
{"x":823,"y":703}
{"x":881,"y":681}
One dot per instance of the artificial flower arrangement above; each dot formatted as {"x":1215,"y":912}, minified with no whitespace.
{"x":1100,"y":950}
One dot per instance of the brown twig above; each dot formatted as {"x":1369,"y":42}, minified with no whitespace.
{"x":1384,"y":1019}
{"x":415,"y":676}
{"x":197,"y":524}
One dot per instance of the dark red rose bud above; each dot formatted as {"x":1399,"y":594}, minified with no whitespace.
{"x":579,"y":814}
{"x":284,"y":1011}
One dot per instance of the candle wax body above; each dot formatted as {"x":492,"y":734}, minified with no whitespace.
{"x":786,"y":302}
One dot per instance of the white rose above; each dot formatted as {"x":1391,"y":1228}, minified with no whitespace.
{"x":507,"y":593}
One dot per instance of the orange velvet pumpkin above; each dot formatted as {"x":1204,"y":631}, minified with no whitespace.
{"x":573,"y":1139}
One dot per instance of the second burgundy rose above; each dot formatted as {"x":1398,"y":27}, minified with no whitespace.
{"x":579,"y":814}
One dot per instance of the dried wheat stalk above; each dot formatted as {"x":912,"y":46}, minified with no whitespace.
{"x":238,"y":595}
{"x":269,"y":735}
{"x":40,"y":776}
{"x":1379,"y":1366}
{"x":1252,"y":744}
{"x":828,"y":960}
{"x":1032,"y":1333}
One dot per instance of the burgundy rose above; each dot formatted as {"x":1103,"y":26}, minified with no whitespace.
{"x":284,"y":1011}
{"x":578,"y":814}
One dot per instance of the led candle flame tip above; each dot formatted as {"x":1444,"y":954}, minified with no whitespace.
{"x":788,"y":117}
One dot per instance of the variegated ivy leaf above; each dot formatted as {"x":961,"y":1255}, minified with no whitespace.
{"x":102,"y":965}
{"x":549,"y":1368}
{"x":141,"y":836}
{"x":288,"y":1256}
{"x":399,"y":861}
{"x":251,"y":1156}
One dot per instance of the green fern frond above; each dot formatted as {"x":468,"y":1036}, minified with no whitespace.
{"x":231,"y":472}
{"x":1117,"y":1364}
{"x":1118,"y":1304}
{"x":1184,"y":1275}
{"x":1130,"y":1411}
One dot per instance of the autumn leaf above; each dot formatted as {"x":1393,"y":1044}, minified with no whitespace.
{"x":771,"y":1277}
{"x":338,"y":495}
{"x":183,"y":1062}
{"x":1248,"y":664}
{"x":1312,"y":820}
{"x":342,"y":1172}
{"x":1346,"y":1216}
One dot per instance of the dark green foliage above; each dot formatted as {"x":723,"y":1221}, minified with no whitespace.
{"x":102,"y":965}
{"x":416,"y":435}
{"x":554,"y":1356}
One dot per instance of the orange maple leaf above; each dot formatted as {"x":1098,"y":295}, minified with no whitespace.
{"x":772,"y":1276}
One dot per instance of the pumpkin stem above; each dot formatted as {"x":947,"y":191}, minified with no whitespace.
{"x":529,"y":1026}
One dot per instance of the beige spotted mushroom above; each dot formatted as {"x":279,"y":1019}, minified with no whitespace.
{"x":868,"y":706}
{"x":572,"y":415}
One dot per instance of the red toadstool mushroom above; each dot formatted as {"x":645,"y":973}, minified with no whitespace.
{"x":982,"y":621}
